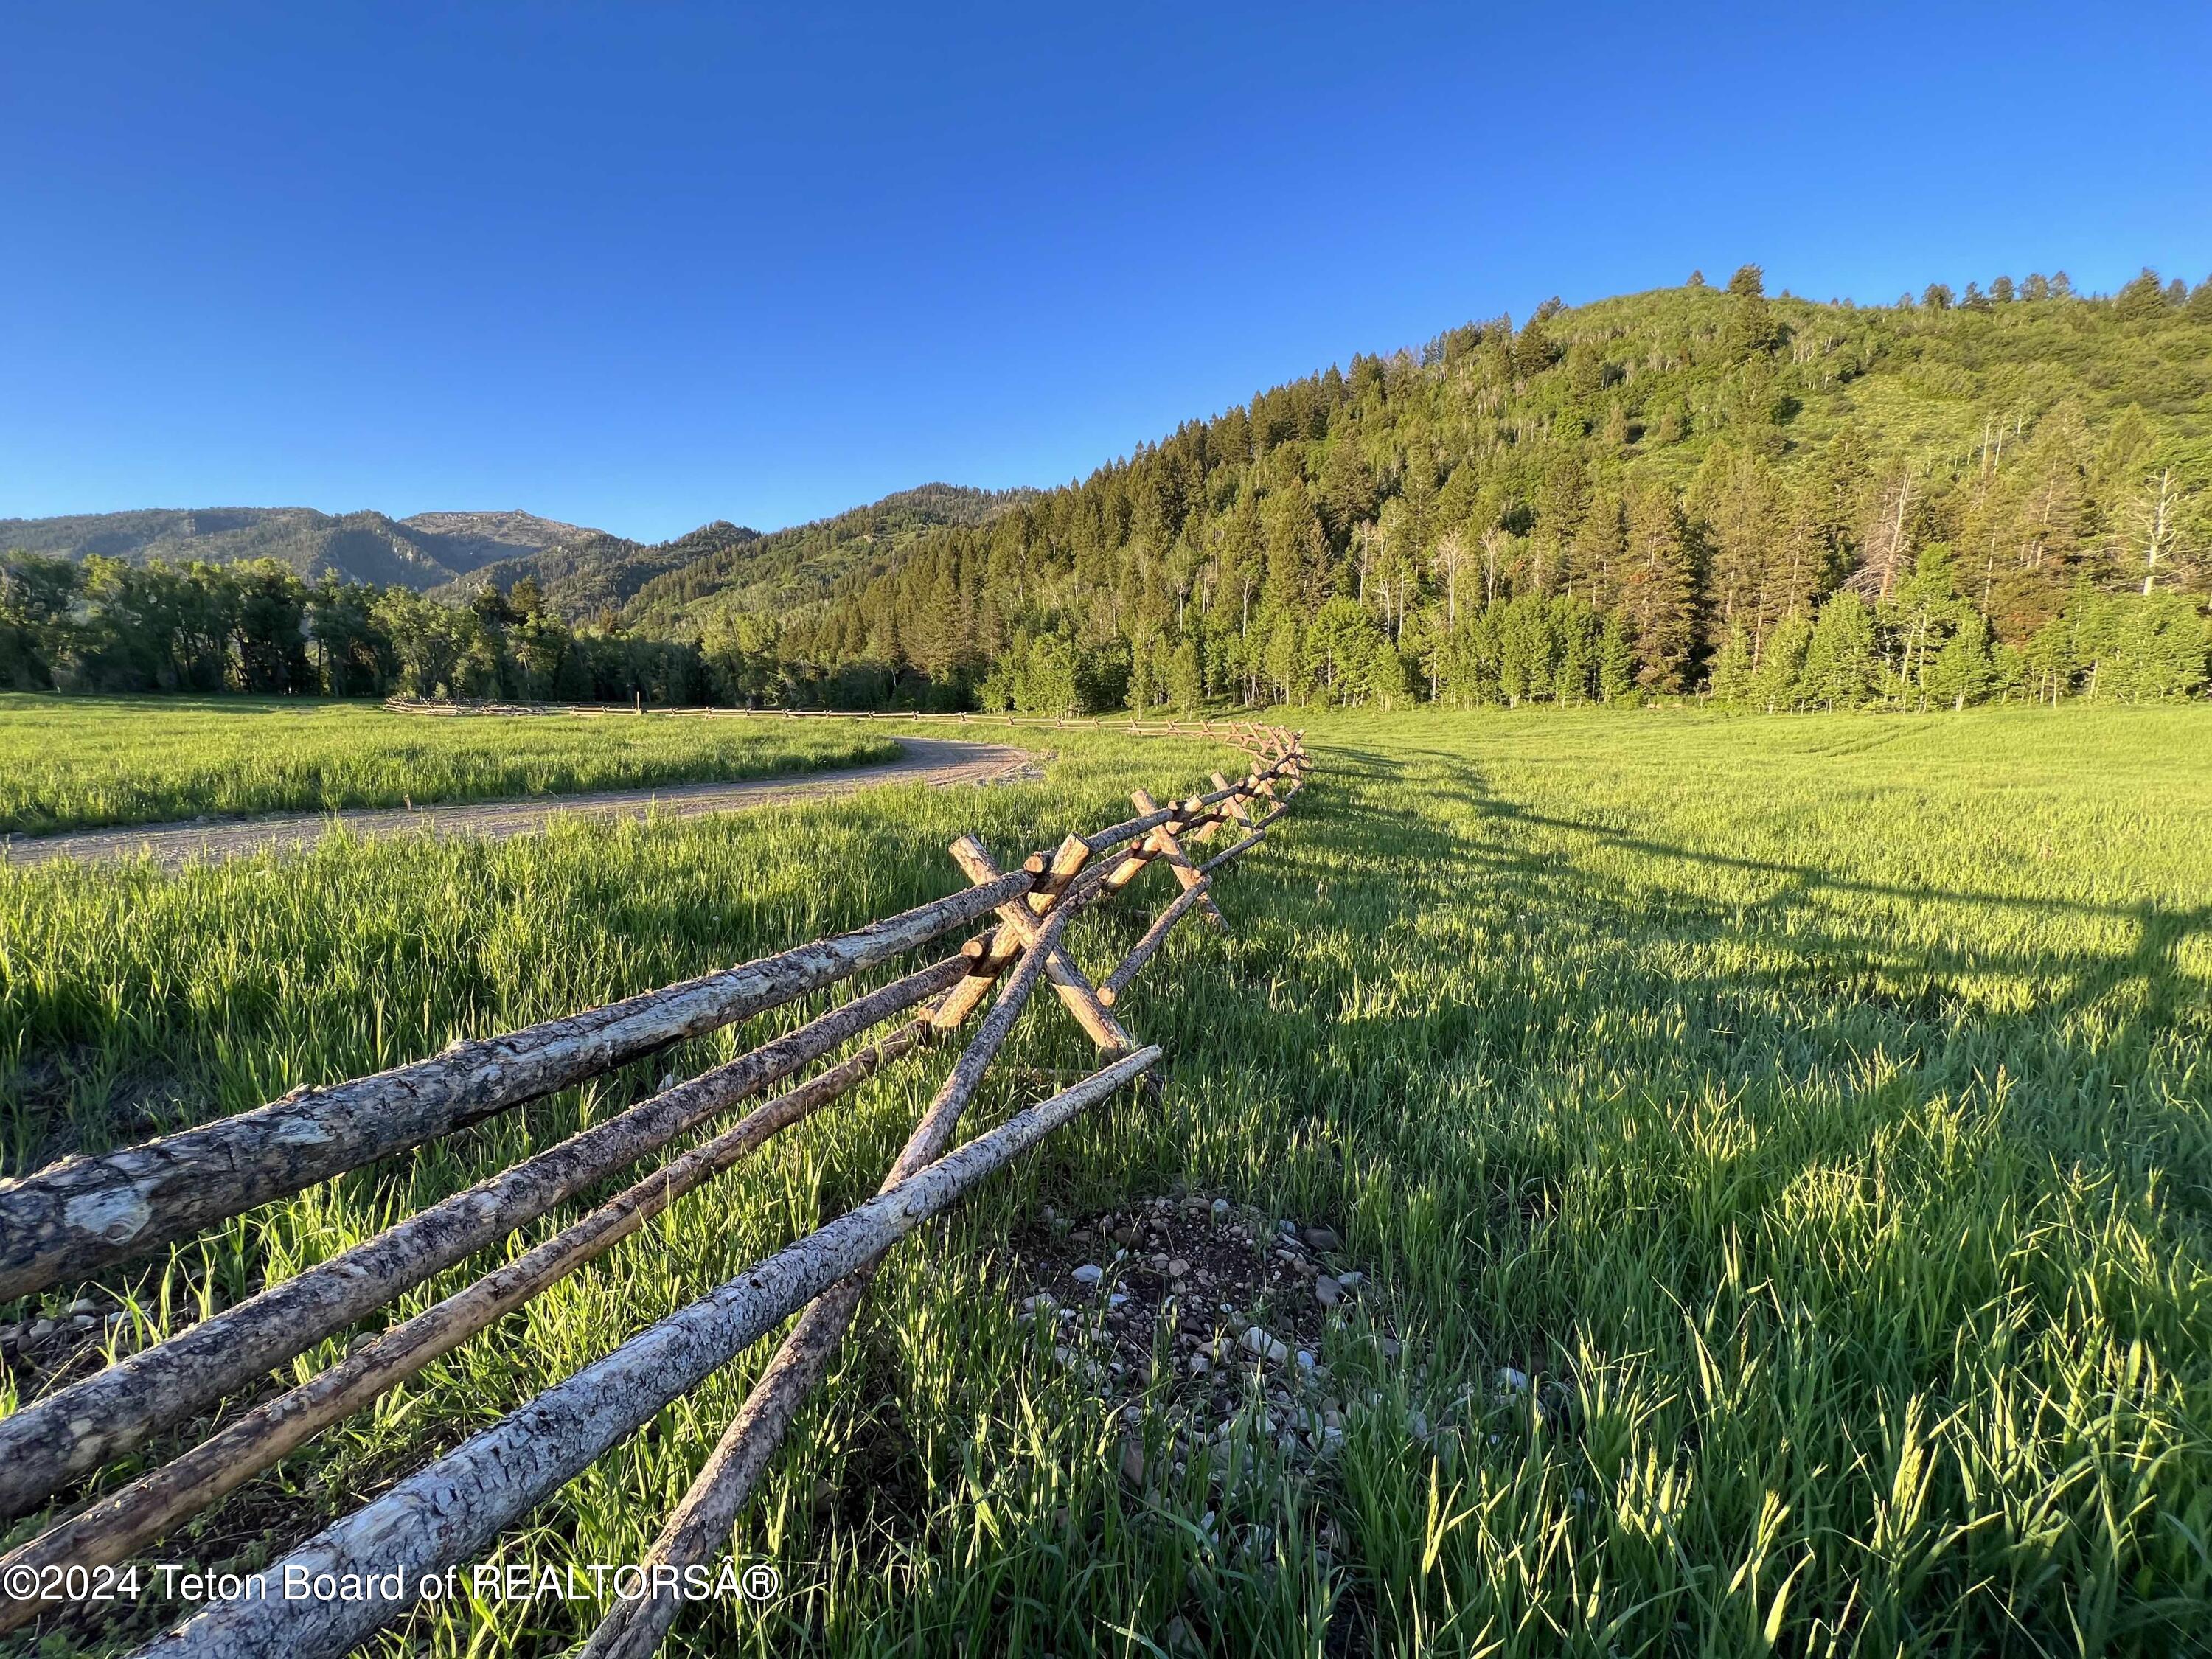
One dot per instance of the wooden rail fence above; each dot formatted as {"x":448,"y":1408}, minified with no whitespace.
{"x":87,"y":1213}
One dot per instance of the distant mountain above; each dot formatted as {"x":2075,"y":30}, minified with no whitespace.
{"x":420,"y":552}
{"x":595,"y":572}
{"x":468,"y":541}
{"x":788,"y":569}
{"x":675,"y":589}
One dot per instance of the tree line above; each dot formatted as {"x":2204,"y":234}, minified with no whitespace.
{"x":256,"y":626}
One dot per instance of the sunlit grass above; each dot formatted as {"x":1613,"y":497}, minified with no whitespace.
{"x":1817,"y":1107}
{"x":81,"y":762}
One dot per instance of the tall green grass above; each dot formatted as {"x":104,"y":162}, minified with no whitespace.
{"x":82,"y":763}
{"x":1816,"y":1107}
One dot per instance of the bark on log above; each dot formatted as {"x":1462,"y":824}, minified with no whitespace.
{"x":75,"y":1430}
{"x":121,"y":1523}
{"x":1074,"y":989}
{"x":1234,"y":802}
{"x":1242,"y":847}
{"x":1185,"y":874}
{"x":450,"y":1511}
{"x":86,"y":1213}
{"x":1110,"y":993}
{"x":702,"y":1522}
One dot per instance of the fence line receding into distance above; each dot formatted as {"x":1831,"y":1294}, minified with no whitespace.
{"x":86,"y":1213}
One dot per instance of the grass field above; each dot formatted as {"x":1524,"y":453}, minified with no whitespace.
{"x":1816,"y":1107}
{"x":82,"y":763}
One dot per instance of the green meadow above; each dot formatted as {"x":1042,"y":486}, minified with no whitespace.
{"x":85,"y":763}
{"x":1814,"y":1108}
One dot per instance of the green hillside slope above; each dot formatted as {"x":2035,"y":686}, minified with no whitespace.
{"x":1648,"y":495}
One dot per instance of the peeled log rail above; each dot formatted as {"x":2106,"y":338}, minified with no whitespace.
{"x":450,"y":1511}
{"x":710,"y":1508}
{"x":122,"y":1522}
{"x":88,"y":1423}
{"x":1110,"y":993}
{"x":1242,"y":847}
{"x":88,"y":1212}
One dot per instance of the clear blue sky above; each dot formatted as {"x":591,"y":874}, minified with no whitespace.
{"x":641,"y":266}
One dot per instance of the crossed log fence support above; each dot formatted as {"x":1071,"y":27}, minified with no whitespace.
{"x":88,"y":1212}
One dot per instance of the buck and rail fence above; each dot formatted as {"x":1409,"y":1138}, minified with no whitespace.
{"x":88,"y":1213}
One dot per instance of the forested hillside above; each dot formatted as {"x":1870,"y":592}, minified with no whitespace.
{"x":1998,"y":493}
{"x":790,"y":568}
{"x":697,"y":584}
{"x":593,"y":576}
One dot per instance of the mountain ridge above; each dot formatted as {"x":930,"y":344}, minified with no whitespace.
{"x":420,"y":552}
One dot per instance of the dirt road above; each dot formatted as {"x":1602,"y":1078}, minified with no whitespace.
{"x":936,"y":761}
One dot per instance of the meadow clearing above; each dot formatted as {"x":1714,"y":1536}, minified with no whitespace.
{"x":1812,"y":1108}
{"x":83,"y":763}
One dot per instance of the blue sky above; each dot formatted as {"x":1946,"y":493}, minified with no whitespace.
{"x":642,"y":266}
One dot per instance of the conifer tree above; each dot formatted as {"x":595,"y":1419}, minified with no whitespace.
{"x":1658,"y":590}
{"x":2142,"y":299}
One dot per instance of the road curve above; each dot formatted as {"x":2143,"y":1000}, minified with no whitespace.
{"x":935,"y":761}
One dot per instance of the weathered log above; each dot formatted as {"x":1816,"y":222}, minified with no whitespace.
{"x":702,"y":1522}
{"x":1240,"y":848}
{"x":1074,"y":989}
{"x":84,"y":1426}
{"x":86,"y":1213}
{"x":1234,"y":803}
{"x":1186,"y":874}
{"x":122,"y":1523}
{"x":1109,"y":992}
{"x":450,"y":1511}
{"x":1115,"y":834}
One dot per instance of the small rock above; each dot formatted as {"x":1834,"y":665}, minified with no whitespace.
{"x":1388,"y":1347}
{"x":1178,"y":1269}
{"x":84,"y":1321}
{"x":1089,"y":1273}
{"x":1133,"y":1462}
{"x":1199,"y":1364}
{"x":1257,"y":1342}
{"x":1323,"y":1238}
{"x":1511,"y":1381}
{"x":825,"y":1496}
{"x":1288,"y":1229}
{"x":1352,"y":1281}
{"x":83,"y":1305}
{"x":1117,"y":1298}
{"x":1221,"y":1209}
{"x":1328,"y":1291}
{"x":1306,"y":1361}
{"x":40,"y":1331}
